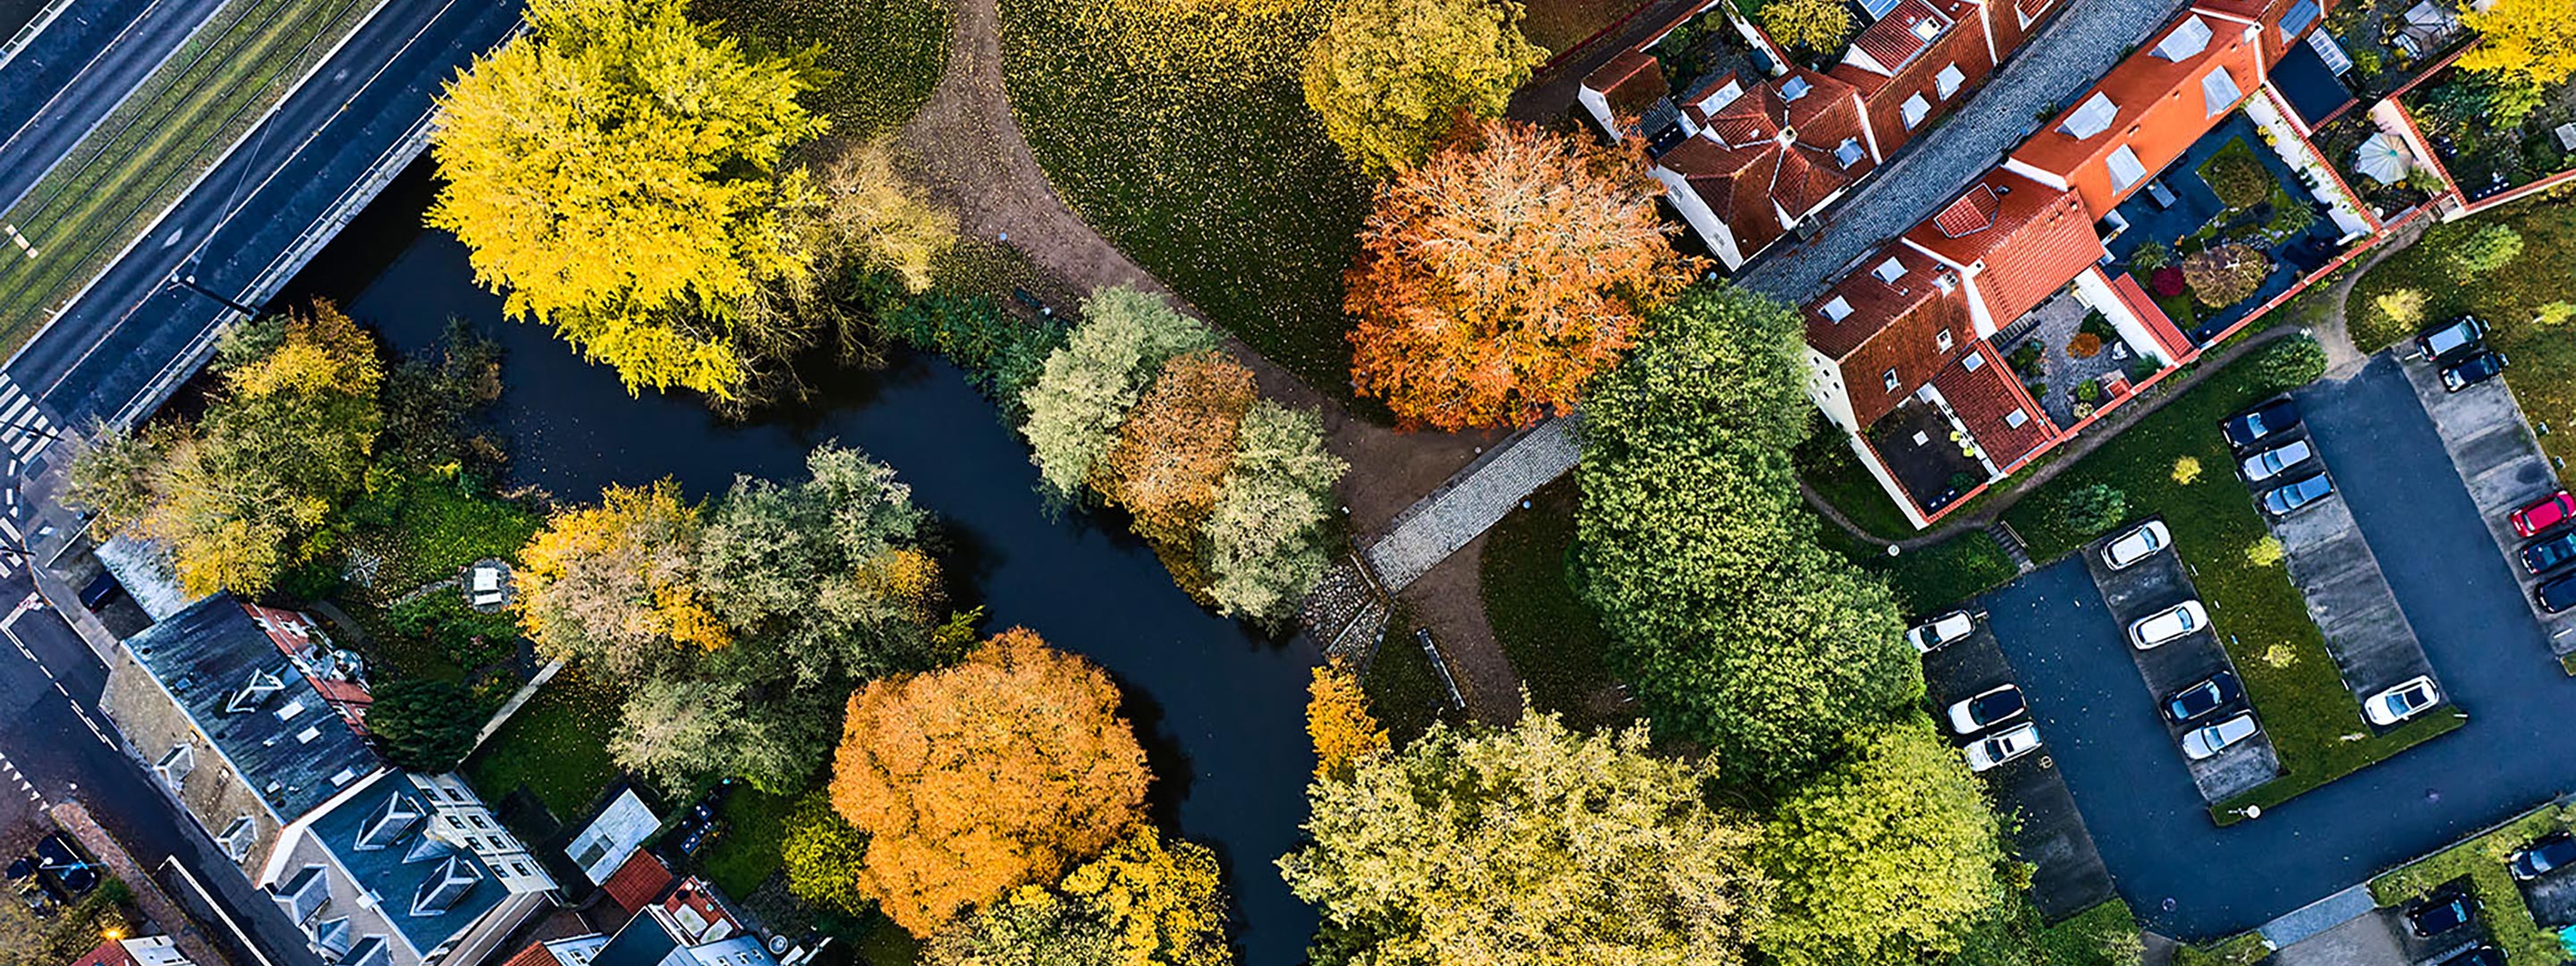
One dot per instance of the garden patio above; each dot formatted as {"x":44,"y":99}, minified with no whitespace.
{"x":2227,"y":188}
{"x":1928,"y":452}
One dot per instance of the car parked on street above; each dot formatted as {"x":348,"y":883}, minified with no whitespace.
{"x":2548,"y":512}
{"x":2451,"y":338}
{"x":2480,"y":955}
{"x":2002,"y":746}
{"x":2147,"y":632}
{"x":2556,"y":595}
{"x":2136,"y":545}
{"x":1986,"y":710}
{"x":2208,"y":740}
{"x":2399,"y":703}
{"x":2544,"y":555}
{"x":2291,"y":497}
{"x":2542,"y":857}
{"x":2269,"y":463}
{"x":2260,"y":423}
{"x":2473,"y":370}
{"x":1940,"y":631}
{"x":2441,"y":912}
{"x":2212,"y":693}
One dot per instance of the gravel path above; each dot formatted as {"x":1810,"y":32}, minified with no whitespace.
{"x":2067,"y":56}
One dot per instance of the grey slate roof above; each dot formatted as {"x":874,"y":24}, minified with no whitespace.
{"x":208,"y":657}
{"x":403,"y":866}
{"x":645,"y":941}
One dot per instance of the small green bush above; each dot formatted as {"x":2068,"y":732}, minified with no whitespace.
{"x":2093,"y":508}
{"x":2291,"y":363}
{"x":2237,"y":176}
{"x":2489,"y":248}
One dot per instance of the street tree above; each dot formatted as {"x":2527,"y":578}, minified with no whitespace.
{"x":1497,"y":278}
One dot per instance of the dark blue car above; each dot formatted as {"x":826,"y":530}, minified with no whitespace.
{"x":2261,"y":423}
{"x":2220,"y":690}
{"x":2441,"y":913}
{"x":2543,"y":556}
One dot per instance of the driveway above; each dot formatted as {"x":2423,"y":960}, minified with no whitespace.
{"x":2149,"y":587}
{"x":2159,"y":844}
{"x":2049,"y":830}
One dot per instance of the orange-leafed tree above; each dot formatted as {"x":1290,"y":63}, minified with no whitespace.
{"x":1495,"y":279}
{"x":1177,"y":444}
{"x":1006,"y":769}
{"x":1338,"y":720}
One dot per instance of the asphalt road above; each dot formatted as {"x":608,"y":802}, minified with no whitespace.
{"x":75,"y":73}
{"x":54,"y":734}
{"x":113,"y":343}
{"x":2183,"y":874}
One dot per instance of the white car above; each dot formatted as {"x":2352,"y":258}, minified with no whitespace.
{"x":2001,"y":747}
{"x":2401,"y":702}
{"x":2200,"y":743}
{"x":1942,"y":630}
{"x":1986,"y":710}
{"x":2271,"y":462}
{"x":2167,"y":624}
{"x":2137,"y":545}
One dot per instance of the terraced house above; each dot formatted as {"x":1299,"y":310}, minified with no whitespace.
{"x":1753,"y":145}
{"x":2003,"y":324}
{"x":256,"y":724}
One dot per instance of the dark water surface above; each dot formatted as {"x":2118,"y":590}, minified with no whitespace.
{"x":1220,"y":710}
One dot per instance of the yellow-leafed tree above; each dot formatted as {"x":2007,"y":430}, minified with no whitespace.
{"x":1164,"y":905}
{"x":1004,"y":770}
{"x":1389,"y":77}
{"x":1816,"y":25}
{"x":614,"y":584}
{"x":617,"y":174}
{"x":1177,"y":444}
{"x":2522,"y":43}
{"x":1338,"y":721}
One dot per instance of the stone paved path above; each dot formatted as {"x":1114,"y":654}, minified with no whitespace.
{"x":1474,"y":500}
{"x":2068,"y":55}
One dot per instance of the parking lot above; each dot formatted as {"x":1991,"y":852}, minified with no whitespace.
{"x":2049,"y":832}
{"x":2496,"y":457}
{"x":2373,"y":645}
{"x":2150,"y":586}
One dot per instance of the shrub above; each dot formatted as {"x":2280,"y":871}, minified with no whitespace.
{"x":2280,"y":655}
{"x":472,"y":640}
{"x":2554,"y":315}
{"x":2226,"y":274}
{"x":2291,"y":363}
{"x":2485,"y":250}
{"x":2237,"y":176}
{"x":2264,"y":553}
{"x":2027,"y":359}
{"x":2290,"y":218}
{"x":2186,"y":470}
{"x":2088,"y":392}
{"x":2084,"y":345}
{"x":2092,"y":508}
{"x":2166,"y":281}
{"x":424,"y":724}
{"x":1814,"y":25}
{"x":2151,"y":256}
{"x":2141,"y":367}
{"x":2403,"y":308}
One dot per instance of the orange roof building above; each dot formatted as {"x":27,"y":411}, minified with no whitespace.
{"x":2013,"y":241}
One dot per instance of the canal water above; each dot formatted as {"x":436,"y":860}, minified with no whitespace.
{"x":1219,"y":709}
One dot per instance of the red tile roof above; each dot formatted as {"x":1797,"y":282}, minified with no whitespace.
{"x":535,"y":955}
{"x":1762,"y":154}
{"x":1985,"y":397}
{"x":1893,"y":325}
{"x":1894,"y":40}
{"x":1632,"y":82}
{"x":2159,"y":110}
{"x":2038,"y":240}
{"x":109,"y":953}
{"x":1973,"y":212}
{"x":638,"y":882}
{"x":2170,"y":341}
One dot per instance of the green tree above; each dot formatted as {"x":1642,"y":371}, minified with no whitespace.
{"x":1817,"y":26}
{"x":424,"y":724}
{"x":2291,"y":363}
{"x":673,"y":730}
{"x":1524,"y":846}
{"x":2476,"y":253}
{"x":825,"y":577}
{"x":822,"y":853}
{"x":1029,"y":927}
{"x":2092,"y":508}
{"x":1737,"y":630}
{"x":1089,"y":383}
{"x":1266,"y":538}
{"x":1389,"y":77}
{"x":616,"y":172}
{"x":1885,"y":858}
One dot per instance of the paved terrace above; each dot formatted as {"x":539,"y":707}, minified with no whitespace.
{"x":2065,"y":58}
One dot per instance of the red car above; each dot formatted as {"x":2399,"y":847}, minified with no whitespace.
{"x":2545,"y":514}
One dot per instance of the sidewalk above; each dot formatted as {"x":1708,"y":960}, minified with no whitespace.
{"x":156,"y":904}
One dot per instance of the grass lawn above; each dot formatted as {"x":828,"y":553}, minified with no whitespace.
{"x":1553,"y":638}
{"x":2099,"y":936}
{"x":1186,"y":140}
{"x":884,"y":55}
{"x":2242,"y":949}
{"x":1403,"y":691}
{"x":556,"y":747}
{"x":1826,"y":462}
{"x":2481,"y":860}
{"x":755,"y":822}
{"x":142,"y":155}
{"x":423,"y":529}
{"x":1560,"y":24}
{"x":2543,"y":375}
{"x":2261,"y":617}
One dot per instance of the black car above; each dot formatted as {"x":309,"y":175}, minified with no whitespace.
{"x":2473,"y":370}
{"x":2544,"y":555}
{"x":2217,"y":692}
{"x":2441,"y":913}
{"x":2289,"y":497}
{"x":2261,"y":423}
{"x":2456,"y":337}
{"x":2543,"y":857}
{"x":2556,"y":595}
{"x":2477,"y":956}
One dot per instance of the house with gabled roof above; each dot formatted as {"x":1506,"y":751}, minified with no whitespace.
{"x":255,"y":725}
{"x":1751,"y":146}
{"x":2150,"y":108}
{"x":683,"y":922}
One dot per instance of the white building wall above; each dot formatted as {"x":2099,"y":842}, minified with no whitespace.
{"x":2095,"y":291}
{"x":1703,"y":221}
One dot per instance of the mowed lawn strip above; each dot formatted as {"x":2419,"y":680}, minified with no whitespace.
{"x":2543,"y":373}
{"x":1553,"y":638}
{"x":556,"y":746}
{"x":183,"y":117}
{"x":2261,"y":618}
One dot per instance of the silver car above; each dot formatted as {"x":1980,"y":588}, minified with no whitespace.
{"x":2269,"y":463}
{"x":2200,"y":743}
{"x":2136,"y":545}
{"x":2002,"y":746}
{"x":2165,"y":625}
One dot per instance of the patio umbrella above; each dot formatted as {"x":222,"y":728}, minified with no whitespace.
{"x":2384,"y":158}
